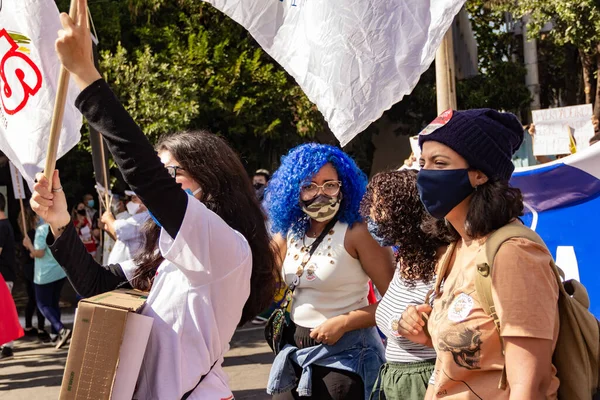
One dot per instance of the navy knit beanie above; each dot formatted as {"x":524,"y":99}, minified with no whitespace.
{"x":486,"y":138}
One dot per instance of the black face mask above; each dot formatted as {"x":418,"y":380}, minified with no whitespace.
{"x":258,"y":185}
{"x":81,"y":212}
{"x":442,"y":190}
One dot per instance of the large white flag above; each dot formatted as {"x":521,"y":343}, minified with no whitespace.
{"x":354,"y":58}
{"x":29,"y":69}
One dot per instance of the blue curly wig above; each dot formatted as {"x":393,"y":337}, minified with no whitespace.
{"x":299,"y":166}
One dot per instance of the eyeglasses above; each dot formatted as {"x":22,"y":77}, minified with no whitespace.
{"x":310,"y":190}
{"x":172,"y":169}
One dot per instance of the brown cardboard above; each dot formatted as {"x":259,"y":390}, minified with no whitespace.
{"x":96,"y":342}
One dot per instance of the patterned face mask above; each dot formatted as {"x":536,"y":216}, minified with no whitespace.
{"x":321,"y":208}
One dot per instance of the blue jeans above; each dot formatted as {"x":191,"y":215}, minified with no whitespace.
{"x":47,"y":297}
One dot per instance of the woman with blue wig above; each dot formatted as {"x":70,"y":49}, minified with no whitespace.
{"x":331,"y":349}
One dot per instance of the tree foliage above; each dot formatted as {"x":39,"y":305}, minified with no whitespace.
{"x":500,"y":83}
{"x":571,"y":23}
{"x":182,"y":65}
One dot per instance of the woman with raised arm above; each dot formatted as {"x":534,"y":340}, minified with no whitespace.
{"x":207,"y":261}
{"x":332,"y":350}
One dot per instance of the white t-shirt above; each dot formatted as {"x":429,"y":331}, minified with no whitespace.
{"x":196,"y":301}
{"x":129,"y":237}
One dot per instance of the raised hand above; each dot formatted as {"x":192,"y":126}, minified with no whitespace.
{"x":74,"y":47}
{"x":50,"y":203}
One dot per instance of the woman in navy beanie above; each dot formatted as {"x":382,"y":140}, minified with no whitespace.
{"x":465,"y":170}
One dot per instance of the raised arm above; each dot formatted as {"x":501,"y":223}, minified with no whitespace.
{"x":131,"y":150}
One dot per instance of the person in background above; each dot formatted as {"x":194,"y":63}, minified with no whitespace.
{"x":396,"y":217}
{"x":127,"y":232}
{"x":595,"y":139}
{"x":92,"y":215}
{"x":84,"y":228}
{"x":119,"y":210}
{"x":28,"y":268}
{"x":7,"y":262}
{"x":333,"y":349}
{"x":464,"y":179}
{"x":48,"y":279}
{"x":259,"y":181}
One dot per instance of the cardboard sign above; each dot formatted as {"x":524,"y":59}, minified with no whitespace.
{"x":552,"y":129}
{"x":107,"y":347}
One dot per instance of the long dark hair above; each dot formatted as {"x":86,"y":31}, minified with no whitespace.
{"x":493,"y":205}
{"x":228,"y":192}
{"x":393,"y":199}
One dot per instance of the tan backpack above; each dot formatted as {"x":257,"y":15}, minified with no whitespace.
{"x":577,"y":353}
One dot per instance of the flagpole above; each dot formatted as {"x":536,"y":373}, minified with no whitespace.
{"x":104,"y":173}
{"x":59,"y":111}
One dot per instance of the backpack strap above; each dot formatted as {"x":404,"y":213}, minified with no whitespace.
{"x":485,"y":262}
{"x":443,"y":265}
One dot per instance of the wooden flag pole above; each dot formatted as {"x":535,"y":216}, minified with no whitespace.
{"x":105,"y":174}
{"x":59,"y":111}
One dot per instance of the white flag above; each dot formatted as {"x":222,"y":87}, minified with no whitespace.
{"x":29,"y":69}
{"x":354,"y":59}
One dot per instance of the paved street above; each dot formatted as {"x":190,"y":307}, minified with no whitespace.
{"x":35,"y":373}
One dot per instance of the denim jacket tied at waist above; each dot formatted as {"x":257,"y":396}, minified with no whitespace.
{"x":360,"y":351}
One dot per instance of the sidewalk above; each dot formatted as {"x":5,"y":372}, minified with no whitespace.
{"x":35,"y":373}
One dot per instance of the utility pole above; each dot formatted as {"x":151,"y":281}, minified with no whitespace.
{"x":530,"y":55}
{"x":445,"y":75}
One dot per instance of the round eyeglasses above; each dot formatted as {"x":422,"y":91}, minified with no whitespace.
{"x":311,"y":190}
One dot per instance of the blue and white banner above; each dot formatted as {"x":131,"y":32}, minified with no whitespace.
{"x":563,"y":206}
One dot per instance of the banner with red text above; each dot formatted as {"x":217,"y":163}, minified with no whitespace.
{"x":29,"y":69}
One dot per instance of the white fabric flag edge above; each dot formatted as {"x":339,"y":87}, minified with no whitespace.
{"x":346,"y":127}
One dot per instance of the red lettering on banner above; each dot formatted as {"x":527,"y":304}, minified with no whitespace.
{"x":20,"y":78}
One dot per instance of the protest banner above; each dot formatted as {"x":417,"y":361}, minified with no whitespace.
{"x":562,"y":202}
{"x":354,"y":60}
{"x":29,"y":74}
{"x":18,"y":190}
{"x":552,"y":127}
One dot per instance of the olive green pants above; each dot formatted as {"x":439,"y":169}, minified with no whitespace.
{"x":403,"y":381}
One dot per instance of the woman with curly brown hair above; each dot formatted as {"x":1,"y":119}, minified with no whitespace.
{"x":396,"y":217}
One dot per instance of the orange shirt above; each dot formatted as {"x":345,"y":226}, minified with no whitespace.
{"x":469,"y":352}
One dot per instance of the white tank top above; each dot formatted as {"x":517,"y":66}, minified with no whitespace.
{"x":333,"y":282}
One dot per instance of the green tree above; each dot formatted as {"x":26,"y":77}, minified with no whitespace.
{"x":183,"y":65}
{"x":201,"y":70}
{"x":573,"y":22}
{"x":500,"y":83}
